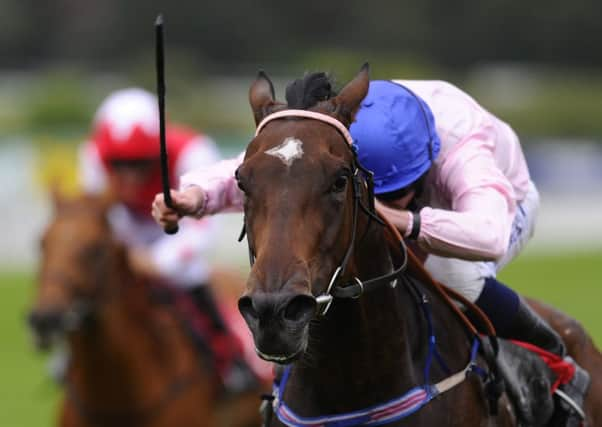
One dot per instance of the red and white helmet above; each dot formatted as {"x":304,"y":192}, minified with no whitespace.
{"x":126,"y":126}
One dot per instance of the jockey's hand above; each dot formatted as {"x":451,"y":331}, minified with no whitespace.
{"x":185,"y":203}
{"x":399,"y":217}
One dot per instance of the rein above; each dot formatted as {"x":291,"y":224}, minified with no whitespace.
{"x":448,"y":294}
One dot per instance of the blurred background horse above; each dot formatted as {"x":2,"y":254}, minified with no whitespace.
{"x":132,"y":362}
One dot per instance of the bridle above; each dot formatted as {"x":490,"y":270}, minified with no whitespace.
{"x":361,"y":178}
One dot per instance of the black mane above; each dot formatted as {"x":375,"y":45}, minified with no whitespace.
{"x":306,"y":92}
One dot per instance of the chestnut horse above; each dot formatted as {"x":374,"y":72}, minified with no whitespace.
{"x":131,"y":361}
{"x":329,"y":295}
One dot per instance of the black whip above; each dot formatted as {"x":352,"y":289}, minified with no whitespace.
{"x":161,"y":98}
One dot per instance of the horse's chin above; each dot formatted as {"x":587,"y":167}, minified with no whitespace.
{"x":47,"y":340}
{"x":281,"y":359}
{"x":43,"y":343}
{"x":63,"y":323}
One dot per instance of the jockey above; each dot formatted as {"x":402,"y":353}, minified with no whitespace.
{"x":122,"y":156}
{"x":452,"y":178}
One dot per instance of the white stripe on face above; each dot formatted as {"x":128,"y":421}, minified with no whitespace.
{"x":289,"y":151}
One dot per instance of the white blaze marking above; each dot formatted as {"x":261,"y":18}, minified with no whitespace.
{"x":290,"y":150}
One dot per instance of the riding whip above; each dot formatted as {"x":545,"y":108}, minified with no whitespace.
{"x":161,"y":98}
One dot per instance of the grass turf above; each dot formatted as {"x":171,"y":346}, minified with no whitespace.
{"x":28,"y":398}
{"x":571,"y":282}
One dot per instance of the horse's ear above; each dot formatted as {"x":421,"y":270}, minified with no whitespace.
{"x":261,"y":97}
{"x":348,"y":101}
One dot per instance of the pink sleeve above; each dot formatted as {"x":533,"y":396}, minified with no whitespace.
{"x":219,"y":184}
{"x":482,"y":205}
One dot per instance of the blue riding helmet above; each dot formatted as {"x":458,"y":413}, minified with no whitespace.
{"x":395,"y":137}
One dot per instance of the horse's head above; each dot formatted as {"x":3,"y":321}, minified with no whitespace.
{"x":77,"y":249}
{"x":298,"y":177}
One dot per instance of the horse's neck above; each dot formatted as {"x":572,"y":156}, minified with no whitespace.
{"x":369,"y":350}
{"x":121,"y":346}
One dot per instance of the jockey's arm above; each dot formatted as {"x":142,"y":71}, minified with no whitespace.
{"x":478,"y":225}
{"x":203,"y":191}
{"x":479,"y":230}
{"x":219,"y":187}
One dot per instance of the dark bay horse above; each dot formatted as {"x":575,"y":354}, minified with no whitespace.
{"x":132,"y":363}
{"x":313,"y":236}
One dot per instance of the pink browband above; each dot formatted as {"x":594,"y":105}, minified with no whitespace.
{"x":308,"y":115}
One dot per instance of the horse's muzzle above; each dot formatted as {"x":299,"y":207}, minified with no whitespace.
{"x":47,"y":327}
{"x":50,"y":325}
{"x":279,"y":323}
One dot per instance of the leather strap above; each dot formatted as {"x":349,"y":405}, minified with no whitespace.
{"x":415,"y":267}
{"x":415,"y":226}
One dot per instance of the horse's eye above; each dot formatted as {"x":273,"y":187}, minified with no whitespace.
{"x":241,"y":187}
{"x":238,"y":181}
{"x":340,"y":184}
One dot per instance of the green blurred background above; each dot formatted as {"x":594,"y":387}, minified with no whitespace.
{"x":536,"y":65}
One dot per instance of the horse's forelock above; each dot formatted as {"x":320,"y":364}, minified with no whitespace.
{"x":308,"y":91}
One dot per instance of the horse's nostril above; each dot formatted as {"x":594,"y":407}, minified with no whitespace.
{"x":245,"y":306}
{"x":300,"y":308}
{"x":33,"y":320}
{"x":37,"y":320}
{"x":44,"y":321}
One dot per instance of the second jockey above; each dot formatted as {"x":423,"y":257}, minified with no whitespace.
{"x":122,"y":157}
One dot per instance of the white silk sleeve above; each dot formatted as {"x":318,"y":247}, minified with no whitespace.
{"x":91,"y":172}
{"x":182,"y":258}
